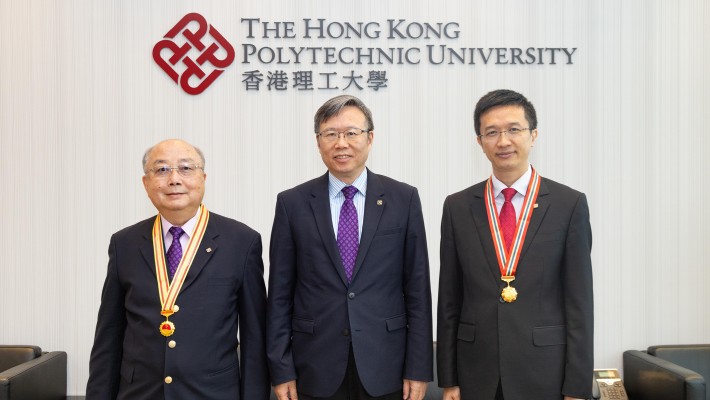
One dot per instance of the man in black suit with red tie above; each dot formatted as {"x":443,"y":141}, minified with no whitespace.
{"x":349,"y":308}
{"x":180,"y":287}
{"x":515,"y":312}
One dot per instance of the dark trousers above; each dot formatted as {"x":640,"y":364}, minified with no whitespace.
{"x":499,"y":392}
{"x":351,"y":388}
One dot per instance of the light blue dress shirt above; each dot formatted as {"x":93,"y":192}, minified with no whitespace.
{"x":337,"y":198}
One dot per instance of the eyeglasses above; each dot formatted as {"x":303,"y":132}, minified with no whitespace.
{"x":350,"y":135}
{"x":513,"y":133}
{"x":185,"y":170}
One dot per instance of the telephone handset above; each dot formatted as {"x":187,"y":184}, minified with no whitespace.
{"x":607,"y":385}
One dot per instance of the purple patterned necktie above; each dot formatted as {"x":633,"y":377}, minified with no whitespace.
{"x":348,"y":237}
{"x":175,"y":251}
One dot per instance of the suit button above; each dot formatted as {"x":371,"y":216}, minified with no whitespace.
{"x":172,"y":344}
{"x":351,"y":295}
{"x":346,"y":332}
{"x":168,"y":380}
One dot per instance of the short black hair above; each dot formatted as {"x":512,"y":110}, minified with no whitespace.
{"x":503,"y":97}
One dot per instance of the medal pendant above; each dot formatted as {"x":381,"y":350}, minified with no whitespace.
{"x":167,"y":328}
{"x":509,"y":294}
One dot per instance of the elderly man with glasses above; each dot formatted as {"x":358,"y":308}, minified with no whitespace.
{"x":182,"y":287}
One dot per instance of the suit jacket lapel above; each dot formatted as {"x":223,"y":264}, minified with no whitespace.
{"x":374,"y":206}
{"x":146,"y":248}
{"x":537,"y":216}
{"x":320,"y":205}
{"x":480,"y":216}
{"x":207,"y":248}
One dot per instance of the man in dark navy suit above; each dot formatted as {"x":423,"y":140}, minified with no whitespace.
{"x":179,"y":287}
{"x":349,"y":308}
{"x":515,"y":313}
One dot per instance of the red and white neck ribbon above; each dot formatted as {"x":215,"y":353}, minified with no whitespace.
{"x":508,"y":262}
{"x":168,"y":291}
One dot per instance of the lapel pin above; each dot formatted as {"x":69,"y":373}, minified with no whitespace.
{"x":535,"y":205}
{"x":379,"y":202}
{"x":209,"y":250}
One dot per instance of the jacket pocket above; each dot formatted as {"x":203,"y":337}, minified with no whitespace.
{"x":302,"y":325}
{"x":466,"y":332}
{"x":550,"y":335}
{"x":397,"y":322}
{"x":224,"y":378}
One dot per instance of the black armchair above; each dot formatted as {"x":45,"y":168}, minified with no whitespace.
{"x":673,"y":372}
{"x":28,"y":373}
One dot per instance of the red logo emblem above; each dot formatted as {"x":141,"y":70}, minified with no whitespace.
{"x":175,"y":52}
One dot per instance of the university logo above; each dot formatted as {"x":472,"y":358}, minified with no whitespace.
{"x":193,"y":53}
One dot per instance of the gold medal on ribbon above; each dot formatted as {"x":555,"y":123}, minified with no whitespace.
{"x":509,"y":294}
{"x":167,"y":328}
{"x":168,"y":291}
{"x":508,"y":261}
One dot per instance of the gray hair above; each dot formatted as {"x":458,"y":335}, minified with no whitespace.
{"x":335,"y":105}
{"x":146,"y":155}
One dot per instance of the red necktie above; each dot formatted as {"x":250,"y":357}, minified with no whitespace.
{"x":507,"y":217}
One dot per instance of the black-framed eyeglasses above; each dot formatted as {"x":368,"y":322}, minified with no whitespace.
{"x":185,"y":170}
{"x":512,"y":133}
{"x":331,"y":135}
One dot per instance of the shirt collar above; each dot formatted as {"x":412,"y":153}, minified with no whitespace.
{"x":335,"y":185}
{"x":188,"y":226}
{"x":520,"y":186}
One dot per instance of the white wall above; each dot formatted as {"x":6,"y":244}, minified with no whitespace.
{"x":81,"y":99}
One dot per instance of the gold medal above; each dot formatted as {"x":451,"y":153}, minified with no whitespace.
{"x":509,"y":294}
{"x":167,"y":328}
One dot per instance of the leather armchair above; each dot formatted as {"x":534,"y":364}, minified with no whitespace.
{"x":668,"y":372}
{"x":28,"y":373}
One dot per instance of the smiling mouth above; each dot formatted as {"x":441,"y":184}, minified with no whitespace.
{"x":342,"y":157}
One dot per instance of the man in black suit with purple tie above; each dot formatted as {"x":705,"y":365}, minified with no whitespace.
{"x":349,"y":308}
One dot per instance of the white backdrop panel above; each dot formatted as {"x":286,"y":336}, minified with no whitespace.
{"x":81,"y":99}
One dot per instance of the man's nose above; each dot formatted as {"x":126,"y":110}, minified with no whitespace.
{"x":341,"y":141}
{"x":503,"y":139}
{"x":174,"y":177}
